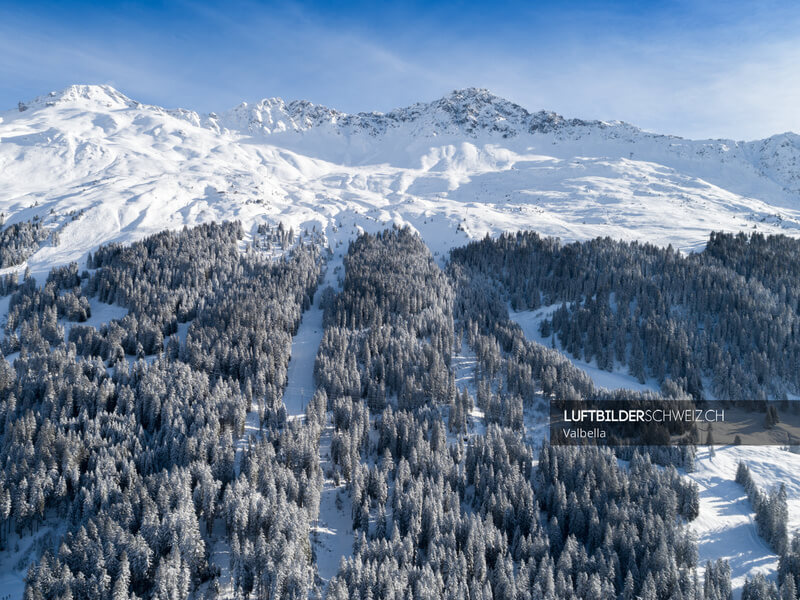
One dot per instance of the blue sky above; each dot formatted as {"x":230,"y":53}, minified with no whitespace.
{"x":698,"y":69}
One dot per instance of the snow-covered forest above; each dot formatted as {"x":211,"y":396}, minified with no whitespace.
{"x":720,"y":323}
{"x":149,"y":450}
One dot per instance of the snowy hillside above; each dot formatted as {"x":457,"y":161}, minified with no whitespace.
{"x":725,"y":527}
{"x":101,"y":167}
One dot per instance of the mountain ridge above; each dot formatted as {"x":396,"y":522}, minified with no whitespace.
{"x":473,"y":108}
{"x":459,"y":167}
{"x":469,"y":112}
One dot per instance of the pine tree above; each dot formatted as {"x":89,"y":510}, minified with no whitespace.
{"x":122,"y":582}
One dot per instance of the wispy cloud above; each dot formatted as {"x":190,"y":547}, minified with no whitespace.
{"x":694,"y":69}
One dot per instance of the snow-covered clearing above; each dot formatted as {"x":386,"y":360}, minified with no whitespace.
{"x":102,"y":314}
{"x":726,"y":527}
{"x":23,"y":550}
{"x":463,"y":364}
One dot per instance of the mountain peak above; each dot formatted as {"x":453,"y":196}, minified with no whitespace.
{"x":472,"y":94}
{"x":477,"y":109}
{"x":103,"y":95}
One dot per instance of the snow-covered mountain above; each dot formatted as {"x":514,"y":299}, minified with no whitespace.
{"x":465,"y":112}
{"x":97,"y":167}
{"x":102,"y":167}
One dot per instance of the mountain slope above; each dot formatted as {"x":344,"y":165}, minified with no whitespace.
{"x":102,"y":167}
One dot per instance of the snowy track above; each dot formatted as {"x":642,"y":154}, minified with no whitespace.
{"x":530,"y":321}
{"x":301,"y":386}
{"x":331,"y":534}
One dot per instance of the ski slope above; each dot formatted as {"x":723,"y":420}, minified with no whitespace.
{"x":300,"y":385}
{"x":725,"y":527}
{"x":331,"y":532}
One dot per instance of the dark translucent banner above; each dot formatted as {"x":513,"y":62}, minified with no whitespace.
{"x":674,"y":422}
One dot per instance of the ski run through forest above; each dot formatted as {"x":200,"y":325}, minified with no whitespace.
{"x":193,"y":416}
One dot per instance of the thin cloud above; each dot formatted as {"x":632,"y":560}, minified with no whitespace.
{"x":710,"y":71}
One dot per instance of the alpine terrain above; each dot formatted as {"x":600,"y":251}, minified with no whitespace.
{"x":280,"y":351}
